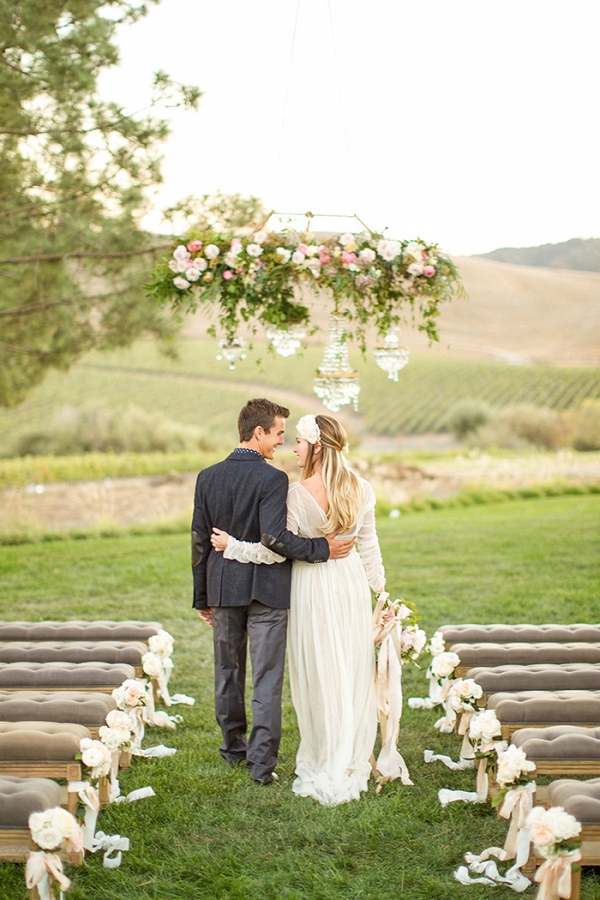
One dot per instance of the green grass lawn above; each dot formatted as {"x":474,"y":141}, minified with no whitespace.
{"x":211,"y":832}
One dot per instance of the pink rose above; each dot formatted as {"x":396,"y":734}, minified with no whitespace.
{"x":228,"y":275}
{"x":429,"y":271}
{"x":423,"y":254}
{"x":324,"y":258}
{"x":303,"y":248}
{"x":194,"y":246}
{"x":348,"y":258}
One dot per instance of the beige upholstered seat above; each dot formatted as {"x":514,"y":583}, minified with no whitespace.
{"x":490,"y":655}
{"x":19,"y":797}
{"x":561,"y":749}
{"x":527,"y":634}
{"x":128,"y":652}
{"x":77,"y":630}
{"x":89,"y":676}
{"x":570,"y":677}
{"x":76,"y":707}
{"x":42,"y":750}
{"x":537,"y":709}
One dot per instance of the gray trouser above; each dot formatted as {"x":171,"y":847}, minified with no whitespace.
{"x":266,"y":629}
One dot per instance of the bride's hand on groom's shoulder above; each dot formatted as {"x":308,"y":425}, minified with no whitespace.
{"x":219,"y":540}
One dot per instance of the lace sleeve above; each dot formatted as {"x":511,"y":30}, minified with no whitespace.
{"x":247,"y":552}
{"x":368,"y":544}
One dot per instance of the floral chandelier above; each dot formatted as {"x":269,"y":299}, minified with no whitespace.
{"x":371,"y":280}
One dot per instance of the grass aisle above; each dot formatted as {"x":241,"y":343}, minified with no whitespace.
{"x":210,"y":832}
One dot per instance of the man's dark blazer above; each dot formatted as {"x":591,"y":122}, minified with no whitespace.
{"x":246,"y":497}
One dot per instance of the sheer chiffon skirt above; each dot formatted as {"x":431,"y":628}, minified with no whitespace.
{"x":332,"y":666}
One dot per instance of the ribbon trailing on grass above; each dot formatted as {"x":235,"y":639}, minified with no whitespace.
{"x":113,"y":846}
{"x":554,"y":876}
{"x":390,"y":764}
{"x":41,"y":869}
{"x":516,"y":806}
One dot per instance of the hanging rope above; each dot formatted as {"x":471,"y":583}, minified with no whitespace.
{"x":350,"y":178}
{"x":287,"y":92}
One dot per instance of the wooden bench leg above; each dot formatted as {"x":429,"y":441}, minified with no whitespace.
{"x":576,"y":884}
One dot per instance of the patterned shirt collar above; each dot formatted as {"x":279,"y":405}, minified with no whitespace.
{"x":247,"y":450}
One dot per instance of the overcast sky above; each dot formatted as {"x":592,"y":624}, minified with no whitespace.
{"x":472,"y":123}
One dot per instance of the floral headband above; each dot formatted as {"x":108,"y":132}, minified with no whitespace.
{"x":308,"y":429}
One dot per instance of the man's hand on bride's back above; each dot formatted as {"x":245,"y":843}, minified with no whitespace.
{"x":339,"y":549}
{"x":219,"y":540}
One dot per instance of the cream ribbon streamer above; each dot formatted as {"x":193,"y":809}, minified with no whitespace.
{"x":434,"y":694}
{"x":516,"y":807}
{"x":113,"y":846}
{"x":41,"y":869}
{"x":138,"y":794}
{"x":89,"y":796}
{"x":479,"y":795}
{"x":159,"y":751}
{"x":388,"y":685}
{"x":430,"y":756}
{"x":554,"y":876}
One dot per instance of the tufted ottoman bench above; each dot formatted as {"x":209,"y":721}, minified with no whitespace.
{"x":19,"y":797}
{"x":561,"y":749}
{"x":78,"y":630}
{"x":61,"y":676}
{"x":42,"y":750}
{"x":509,"y":679}
{"x":128,"y":652}
{"x":582,"y":800}
{"x":74,"y":707}
{"x":522,"y":634}
{"x":540,"y":709}
{"x":491,"y":655}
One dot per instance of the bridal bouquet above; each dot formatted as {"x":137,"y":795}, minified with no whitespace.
{"x":399,"y":620}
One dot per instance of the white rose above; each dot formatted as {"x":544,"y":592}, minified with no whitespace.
{"x":347,"y":238}
{"x":254,"y":250}
{"x":420,"y":641}
{"x":444,"y":664}
{"x":211,"y":251}
{"x":312,"y":250}
{"x":485,"y":726}
{"x":260,"y":237}
{"x":367,"y":255}
{"x":200,"y":263}
{"x":174,"y":265}
{"x":45,"y":831}
{"x":152,"y":665}
{"x":470,"y":689}
{"x":162,"y":644}
{"x":563,"y":824}
{"x":115,"y":737}
{"x":298,"y":258}
{"x":315,"y":267}
{"x":512,"y":763}
{"x":230,"y":260}
{"x":284,"y":254}
{"x":181,"y":283}
{"x":118,"y":719}
{"x":403,"y":611}
{"x":95,"y":755}
{"x":437,"y":644}
{"x":192,"y":274}
{"x":181,"y":252}
{"x":388,"y":250}
{"x":415,"y":269}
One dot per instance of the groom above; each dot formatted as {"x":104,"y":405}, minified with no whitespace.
{"x":245,"y":602}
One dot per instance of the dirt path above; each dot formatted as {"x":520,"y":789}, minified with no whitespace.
{"x":129,"y":501}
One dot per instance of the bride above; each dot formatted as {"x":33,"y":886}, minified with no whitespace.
{"x":331,"y":653}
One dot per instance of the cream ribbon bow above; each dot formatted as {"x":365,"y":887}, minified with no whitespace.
{"x":554,"y":876}
{"x":388,"y":686}
{"x":40,"y":869}
{"x":113,"y":846}
{"x":89,"y":796}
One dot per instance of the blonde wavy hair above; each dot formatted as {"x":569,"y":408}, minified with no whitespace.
{"x":344,"y":490}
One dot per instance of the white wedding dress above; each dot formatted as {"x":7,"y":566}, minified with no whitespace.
{"x":331,"y":653}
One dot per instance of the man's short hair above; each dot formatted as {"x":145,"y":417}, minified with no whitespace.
{"x":259,"y":412}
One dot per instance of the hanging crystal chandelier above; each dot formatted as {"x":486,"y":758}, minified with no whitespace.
{"x":390,"y":357}
{"x":286,"y":342}
{"x":337,"y":384}
{"x":232,"y":349}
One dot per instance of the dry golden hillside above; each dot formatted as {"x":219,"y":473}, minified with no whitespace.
{"x":519,"y":314}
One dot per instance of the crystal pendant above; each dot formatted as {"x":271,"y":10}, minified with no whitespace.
{"x":287,"y":341}
{"x":391,"y":358}
{"x":232,"y":349}
{"x":337,"y":384}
